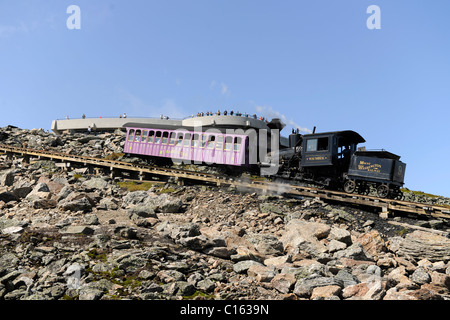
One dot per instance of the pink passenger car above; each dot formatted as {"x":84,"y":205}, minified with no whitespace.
{"x":198,"y":147}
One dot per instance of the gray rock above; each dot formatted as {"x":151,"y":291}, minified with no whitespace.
{"x":8,"y":262}
{"x":196,"y":243}
{"x":374,"y":270}
{"x":63,"y":193}
{"x":265,"y":244}
{"x":165,"y":203}
{"x":12,"y":230}
{"x":80,"y":203}
{"x":220,"y":252}
{"x":336,"y":245}
{"x":95,"y":184}
{"x":108,"y":204}
{"x":143,"y":211}
{"x":78,"y":230}
{"x":347,"y":278}
{"x":421,"y":244}
{"x":132,"y":263}
{"x":420,"y":276}
{"x":167,"y":276}
{"x":304,"y":287}
{"x":179,"y":288}
{"x":90,"y":219}
{"x":344,"y":215}
{"x":7,"y":178}
{"x":243,"y":266}
{"x":355,"y":251}
{"x":8,"y":197}
{"x":87,"y":293}
{"x":134,"y":198}
{"x":206,"y":285}
{"x":341,"y":235}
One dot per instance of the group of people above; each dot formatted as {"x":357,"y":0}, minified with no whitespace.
{"x":225,"y":113}
{"x":84,"y":116}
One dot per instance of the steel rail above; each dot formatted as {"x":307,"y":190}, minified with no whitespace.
{"x":386,"y":205}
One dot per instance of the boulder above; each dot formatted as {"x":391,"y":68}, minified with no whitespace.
{"x":304,"y":287}
{"x":421,"y":244}
{"x":94,"y":184}
{"x":283,"y":282}
{"x":340,"y":235}
{"x":78,"y":202}
{"x":305,"y":235}
{"x":243,"y":266}
{"x":7,"y":178}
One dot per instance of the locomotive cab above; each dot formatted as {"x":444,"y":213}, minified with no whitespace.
{"x":329,"y":148}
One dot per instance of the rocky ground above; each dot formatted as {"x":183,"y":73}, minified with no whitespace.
{"x":66,"y":235}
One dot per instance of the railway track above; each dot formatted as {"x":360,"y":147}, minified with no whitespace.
{"x":384,"y":205}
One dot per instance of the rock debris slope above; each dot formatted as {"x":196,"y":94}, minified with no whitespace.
{"x":79,"y":236}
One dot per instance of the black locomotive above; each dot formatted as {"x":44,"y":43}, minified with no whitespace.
{"x":332,"y":159}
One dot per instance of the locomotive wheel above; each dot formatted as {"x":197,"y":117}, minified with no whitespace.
{"x":350,"y":186}
{"x":383,"y":191}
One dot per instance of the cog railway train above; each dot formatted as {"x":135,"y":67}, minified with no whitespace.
{"x":328,"y":159}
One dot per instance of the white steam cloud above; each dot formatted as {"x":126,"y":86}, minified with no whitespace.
{"x":268,"y":112}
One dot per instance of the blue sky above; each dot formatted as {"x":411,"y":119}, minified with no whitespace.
{"x":313,"y":62}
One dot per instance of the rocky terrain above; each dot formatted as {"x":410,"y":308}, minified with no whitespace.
{"x":71,"y":235}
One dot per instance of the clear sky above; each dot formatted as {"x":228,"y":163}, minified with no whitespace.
{"x":311,"y":62}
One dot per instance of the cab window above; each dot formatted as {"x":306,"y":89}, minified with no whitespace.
{"x":317,"y":144}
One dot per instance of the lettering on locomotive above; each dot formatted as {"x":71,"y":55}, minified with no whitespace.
{"x":369,"y":167}
{"x":316,"y":158}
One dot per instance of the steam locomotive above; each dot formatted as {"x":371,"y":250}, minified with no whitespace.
{"x":332,"y":159}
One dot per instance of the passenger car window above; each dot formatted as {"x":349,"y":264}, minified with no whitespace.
{"x":228,"y":143}
{"x":237,"y":144}
{"x":172,"y":138}
{"x":195,"y":141}
{"x":158,"y":137}
{"x":137,"y":138}
{"x":211,"y":141}
{"x":180,"y":140}
{"x":144,"y":136}
{"x":165,"y":137}
{"x":131,"y":135}
{"x":219,"y":143}
{"x":187,"y":140}
{"x":203,"y":141}
{"x":151,"y":136}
